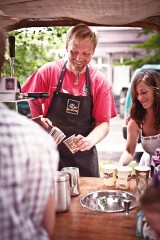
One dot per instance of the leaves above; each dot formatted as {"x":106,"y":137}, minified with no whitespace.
{"x":152,"y":48}
{"x":33,"y":48}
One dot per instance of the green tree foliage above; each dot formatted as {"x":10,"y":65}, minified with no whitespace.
{"x":33,"y":48}
{"x":152,"y":48}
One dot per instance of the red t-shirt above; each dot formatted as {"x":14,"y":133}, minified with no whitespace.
{"x":46,"y":78}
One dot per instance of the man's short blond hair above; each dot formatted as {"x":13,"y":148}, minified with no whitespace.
{"x":82,"y":32}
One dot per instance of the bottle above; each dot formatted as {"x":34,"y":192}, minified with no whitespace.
{"x":139,"y":222}
{"x":155,"y":160}
{"x":157,"y":152}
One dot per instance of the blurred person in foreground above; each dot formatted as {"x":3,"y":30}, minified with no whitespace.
{"x":80,"y":102}
{"x":28,"y":161}
{"x":150,"y":204}
{"x":144,"y":117}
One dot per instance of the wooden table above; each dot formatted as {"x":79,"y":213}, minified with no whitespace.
{"x":80,"y":223}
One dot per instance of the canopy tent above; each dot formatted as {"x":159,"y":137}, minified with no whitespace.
{"x":17,"y":14}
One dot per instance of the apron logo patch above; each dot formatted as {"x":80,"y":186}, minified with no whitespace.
{"x":72,"y":106}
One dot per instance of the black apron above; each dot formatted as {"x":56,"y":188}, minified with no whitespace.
{"x":73,"y":115}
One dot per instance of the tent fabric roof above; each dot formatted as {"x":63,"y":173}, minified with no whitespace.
{"x":17,"y":14}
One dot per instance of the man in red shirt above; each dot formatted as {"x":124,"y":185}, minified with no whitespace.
{"x":80,"y":102}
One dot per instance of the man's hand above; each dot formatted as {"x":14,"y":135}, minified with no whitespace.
{"x":46,"y":123}
{"x":83,"y":143}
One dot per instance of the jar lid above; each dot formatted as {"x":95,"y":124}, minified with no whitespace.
{"x":61,"y":176}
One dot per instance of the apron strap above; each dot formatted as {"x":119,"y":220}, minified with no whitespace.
{"x":88,"y":81}
{"x":61,"y":79}
{"x":59,"y":85}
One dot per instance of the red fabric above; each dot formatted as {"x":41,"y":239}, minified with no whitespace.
{"x":46,"y":79}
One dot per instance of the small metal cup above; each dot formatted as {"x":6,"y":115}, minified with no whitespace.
{"x":142,"y":172}
{"x":74,"y":179}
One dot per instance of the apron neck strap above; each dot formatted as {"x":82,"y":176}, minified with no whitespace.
{"x":88,"y":81}
{"x":62,"y":77}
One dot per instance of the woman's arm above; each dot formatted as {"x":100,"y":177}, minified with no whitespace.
{"x":132,"y":139}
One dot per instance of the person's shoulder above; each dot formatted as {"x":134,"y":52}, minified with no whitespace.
{"x":98,"y":78}
{"x":97,"y":73}
{"x":12,"y":120}
{"x":28,"y":139}
{"x":52,"y":65}
{"x":132,"y":124}
{"x":94,"y":69}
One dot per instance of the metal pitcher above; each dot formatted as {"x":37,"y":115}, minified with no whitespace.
{"x":74,"y":179}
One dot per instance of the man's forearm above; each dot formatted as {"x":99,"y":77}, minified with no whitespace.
{"x":36,"y":108}
{"x":99,"y":132}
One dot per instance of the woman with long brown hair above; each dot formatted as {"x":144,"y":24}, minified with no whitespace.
{"x":144,"y":116}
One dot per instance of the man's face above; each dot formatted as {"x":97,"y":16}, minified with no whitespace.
{"x":79,"y":55}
